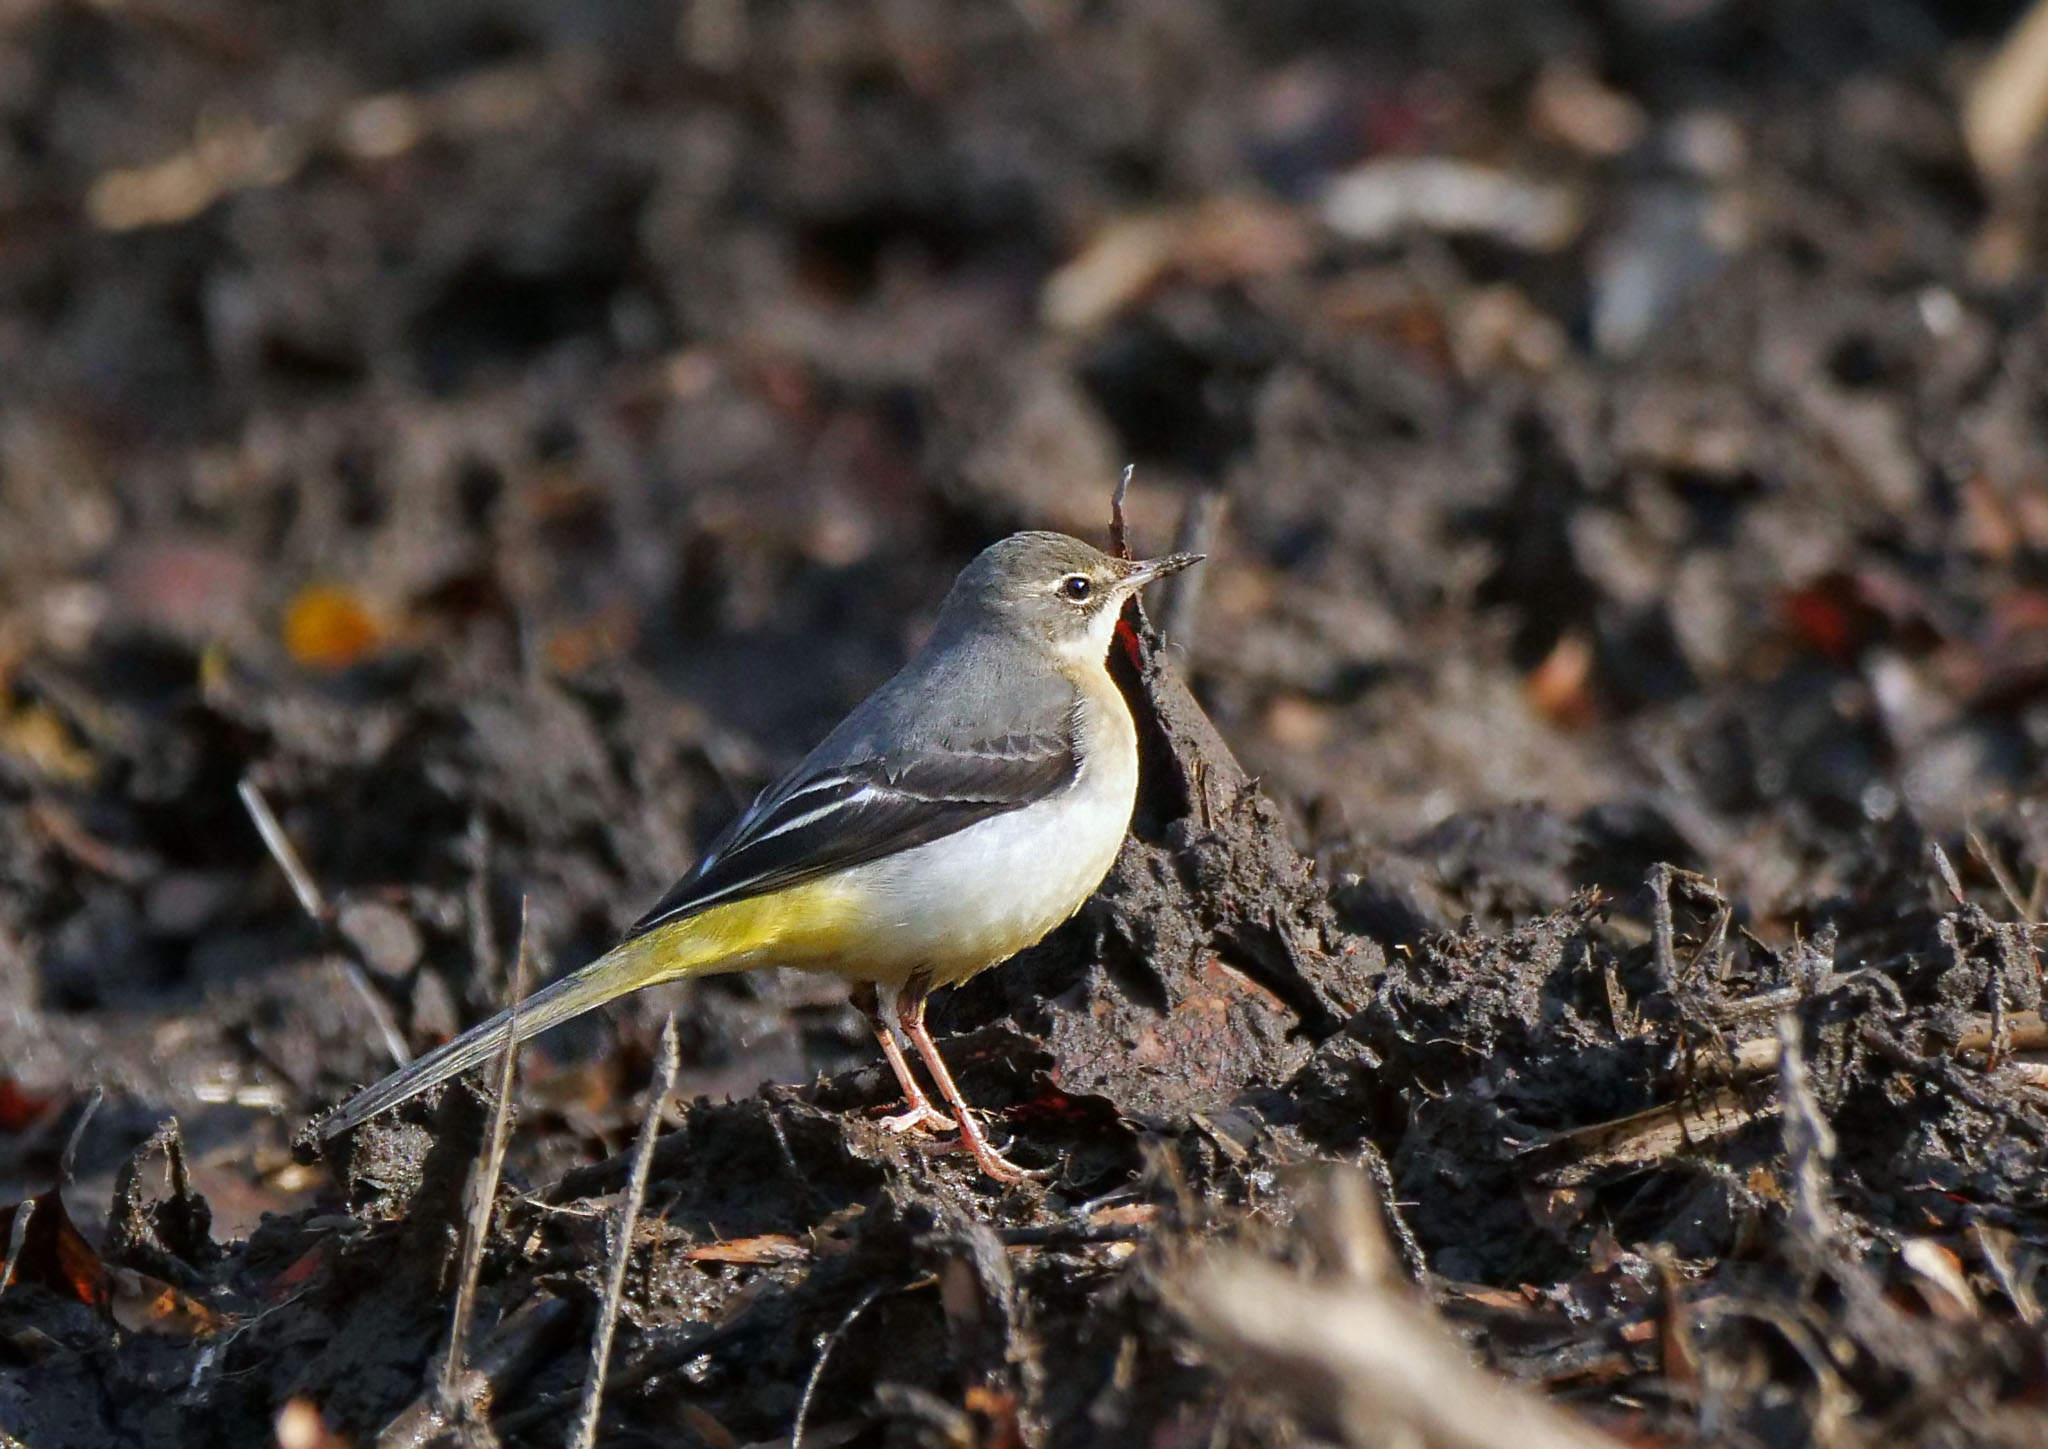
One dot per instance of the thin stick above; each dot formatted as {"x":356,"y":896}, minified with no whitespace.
{"x":1990,"y":861}
{"x":622,"y":1250}
{"x":1366,"y":1358}
{"x":1947,"y":872}
{"x":282,"y":850}
{"x":506,"y":1361}
{"x":380,"y":1014}
{"x":315,"y":904}
{"x":803,"y":1406}
{"x":483,"y":939}
{"x":1119,"y":536}
{"x":70,"y":1157}
{"x":484,"y":1185}
{"x":17,"y":1240}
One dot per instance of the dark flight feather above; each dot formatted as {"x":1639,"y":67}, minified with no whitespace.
{"x":810,"y":825}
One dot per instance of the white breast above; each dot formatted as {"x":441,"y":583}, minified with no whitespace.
{"x":977,"y":897}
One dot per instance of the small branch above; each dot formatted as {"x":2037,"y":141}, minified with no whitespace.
{"x":1574,"y":1157}
{"x":317,"y":907}
{"x":585,"y":1435}
{"x":484,"y":1188}
{"x":380,"y":1014}
{"x":803,"y":1407}
{"x":1119,"y":535}
{"x":1947,"y":872}
{"x":1662,"y":932}
{"x":1809,"y":1140}
{"x":17,"y":1240}
{"x":70,"y":1157}
{"x":283,"y":851}
{"x":520,"y":1343}
{"x":1073,"y":1235}
{"x":1360,"y":1353}
{"x":1988,"y":858}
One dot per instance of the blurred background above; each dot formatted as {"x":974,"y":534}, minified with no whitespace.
{"x":505,"y":434}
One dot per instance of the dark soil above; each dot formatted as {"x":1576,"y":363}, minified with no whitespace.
{"x":502,"y":436}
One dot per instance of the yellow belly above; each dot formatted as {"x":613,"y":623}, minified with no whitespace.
{"x":943,"y":910}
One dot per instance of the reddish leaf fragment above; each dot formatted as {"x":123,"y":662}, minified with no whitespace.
{"x":142,"y":1304}
{"x":21,"y":1110}
{"x":1561,"y":687}
{"x":295,"y":1277}
{"x":54,"y":1254}
{"x":768,"y":1248}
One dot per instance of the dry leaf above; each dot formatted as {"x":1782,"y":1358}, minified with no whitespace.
{"x":54,"y":1254}
{"x":327,"y":626}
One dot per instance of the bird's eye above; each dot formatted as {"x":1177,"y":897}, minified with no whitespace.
{"x":1076,"y":588}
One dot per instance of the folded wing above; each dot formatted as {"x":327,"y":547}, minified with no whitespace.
{"x":818,"y":821}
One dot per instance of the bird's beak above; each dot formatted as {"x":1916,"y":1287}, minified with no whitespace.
{"x":1147,"y":570}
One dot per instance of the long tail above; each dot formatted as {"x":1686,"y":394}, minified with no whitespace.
{"x":627,"y":967}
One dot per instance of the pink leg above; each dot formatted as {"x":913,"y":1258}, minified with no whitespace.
{"x":922,"y":1114}
{"x":910,"y":1015}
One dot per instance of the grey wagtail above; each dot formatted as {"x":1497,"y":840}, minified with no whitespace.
{"x":966,"y":808}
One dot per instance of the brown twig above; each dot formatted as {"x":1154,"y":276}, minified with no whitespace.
{"x":484,"y":1190}
{"x":867,"y":1301}
{"x":319,"y":910}
{"x":1988,"y":858}
{"x":519,"y":1343}
{"x":2023,"y":1031}
{"x":483,"y":939}
{"x":1361,"y":1353}
{"x":380,"y":1014}
{"x":585,"y":1434}
{"x":1809,"y":1140}
{"x":1119,"y":535}
{"x":16,"y":1241}
{"x":69,"y":1160}
{"x":1663,"y":933}
{"x":1947,"y":871}
{"x":1571,"y":1158}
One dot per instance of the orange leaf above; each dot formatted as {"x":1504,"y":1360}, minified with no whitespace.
{"x":54,"y":1254}
{"x":768,"y":1248}
{"x":142,"y":1304}
{"x":1561,"y":687}
{"x":327,"y":626}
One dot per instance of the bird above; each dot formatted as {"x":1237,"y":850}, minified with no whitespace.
{"x":971,"y":804}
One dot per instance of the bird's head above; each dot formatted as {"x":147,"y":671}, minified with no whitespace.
{"x":1047,"y":586}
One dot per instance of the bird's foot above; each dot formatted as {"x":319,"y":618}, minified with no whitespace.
{"x":996,"y":1166}
{"x":922,"y":1117}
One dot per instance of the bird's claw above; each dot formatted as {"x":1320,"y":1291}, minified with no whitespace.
{"x":923,"y":1117}
{"x":998,"y":1167}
